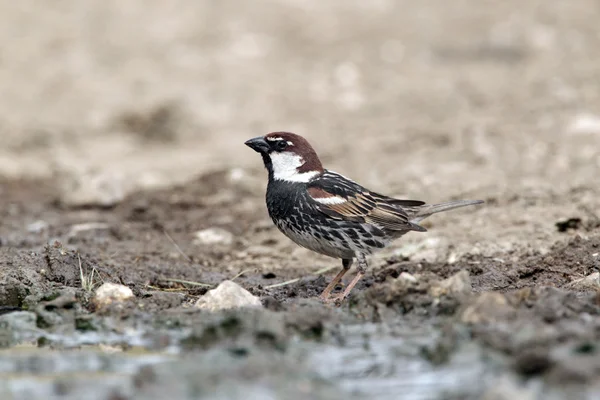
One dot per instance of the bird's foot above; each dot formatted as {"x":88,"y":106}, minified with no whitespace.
{"x":334,"y":300}
{"x":337,"y":300}
{"x":325,"y":298}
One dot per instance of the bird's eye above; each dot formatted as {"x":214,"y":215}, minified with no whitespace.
{"x":281,"y":145}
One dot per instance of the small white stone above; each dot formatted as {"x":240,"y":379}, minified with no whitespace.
{"x":227,"y":295}
{"x":112,"y":292}
{"x":406,"y":277}
{"x":212,"y":236}
{"x":452,"y":258}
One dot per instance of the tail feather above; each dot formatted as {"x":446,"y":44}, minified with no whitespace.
{"x":427,"y":210}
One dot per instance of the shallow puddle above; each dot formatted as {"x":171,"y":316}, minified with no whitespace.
{"x":383,"y":363}
{"x":372,"y":361}
{"x":86,"y":373}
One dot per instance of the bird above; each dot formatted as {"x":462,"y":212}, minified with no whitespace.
{"x":331,"y":214}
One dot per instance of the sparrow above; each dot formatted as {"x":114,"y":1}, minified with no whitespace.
{"x":330,"y":214}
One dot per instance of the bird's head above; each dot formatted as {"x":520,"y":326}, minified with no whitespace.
{"x":287,"y":156}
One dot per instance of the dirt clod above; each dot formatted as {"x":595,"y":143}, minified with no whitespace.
{"x":487,"y":308}
{"x":458,"y":284}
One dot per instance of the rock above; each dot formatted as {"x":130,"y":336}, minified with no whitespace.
{"x":590,"y":282}
{"x":407,"y":278}
{"x":485,"y":308}
{"x":213,"y":236}
{"x":227,"y":295}
{"x":452,"y":258}
{"x":457,"y":284}
{"x":112,"y":292}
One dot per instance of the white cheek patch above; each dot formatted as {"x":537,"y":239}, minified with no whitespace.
{"x":285,"y":167}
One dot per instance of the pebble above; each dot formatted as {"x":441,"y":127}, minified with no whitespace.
{"x":213,"y":236}
{"x":227,"y":295}
{"x":112,"y":292}
{"x":408,"y":278}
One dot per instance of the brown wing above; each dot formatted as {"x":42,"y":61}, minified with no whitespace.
{"x":340,"y":198}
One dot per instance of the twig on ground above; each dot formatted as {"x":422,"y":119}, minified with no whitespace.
{"x":177,"y":247}
{"x":192,"y":283}
{"x":243,"y":272}
{"x":319,"y":272}
{"x":166,"y":289}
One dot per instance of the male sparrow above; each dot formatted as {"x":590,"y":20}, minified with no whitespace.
{"x":330,"y":214}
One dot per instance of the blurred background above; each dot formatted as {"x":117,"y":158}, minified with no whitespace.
{"x":430,"y":99}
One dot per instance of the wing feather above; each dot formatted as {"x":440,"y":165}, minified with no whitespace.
{"x":340,"y":198}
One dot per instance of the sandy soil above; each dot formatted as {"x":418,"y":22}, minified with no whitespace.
{"x":132,"y":117}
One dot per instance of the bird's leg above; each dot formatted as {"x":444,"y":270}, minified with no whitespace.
{"x":346,"y":264}
{"x":362,"y":269}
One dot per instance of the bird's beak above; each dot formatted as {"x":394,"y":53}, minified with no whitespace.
{"x":258,"y":144}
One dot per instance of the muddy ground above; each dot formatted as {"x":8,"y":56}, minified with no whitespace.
{"x":522,"y":310}
{"x":123,"y":127}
